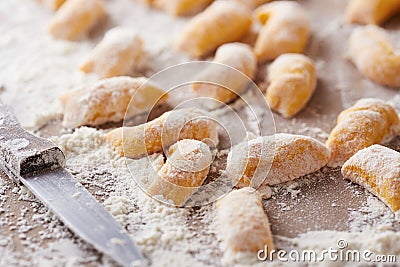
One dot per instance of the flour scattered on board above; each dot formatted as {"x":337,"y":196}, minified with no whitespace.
{"x":163,"y":233}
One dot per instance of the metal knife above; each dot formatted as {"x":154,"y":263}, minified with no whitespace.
{"x":39,"y":165}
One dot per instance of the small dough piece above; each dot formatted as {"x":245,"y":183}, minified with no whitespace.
{"x":182,"y":7}
{"x":377,"y":168}
{"x":242,"y":224}
{"x":370,"y":121}
{"x":184,"y":172}
{"x":115,"y":55}
{"x":252,"y":4}
{"x":286,"y":156}
{"x":292,"y":81}
{"x":371,"y":11}
{"x":222,"y":22}
{"x":75,"y":18}
{"x":236,"y":55}
{"x":286,"y":29}
{"x":52,"y":4}
{"x":162,"y":132}
{"x":375,"y":55}
{"x":108,"y":100}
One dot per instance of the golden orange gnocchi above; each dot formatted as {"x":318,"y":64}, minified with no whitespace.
{"x":75,"y":18}
{"x":108,"y":101}
{"x":285,"y":29}
{"x":162,"y":132}
{"x":371,"y":11}
{"x":375,"y":55}
{"x":242,"y":224}
{"x":271,"y":160}
{"x":115,"y":55}
{"x":377,"y":168}
{"x":292,"y":81}
{"x":236,"y":55}
{"x":222,"y":22}
{"x":184,"y":172}
{"x":370,"y":121}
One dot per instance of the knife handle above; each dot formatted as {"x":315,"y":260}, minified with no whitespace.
{"x":21,"y":152}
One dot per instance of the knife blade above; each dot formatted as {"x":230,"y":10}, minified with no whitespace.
{"x":39,"y":165}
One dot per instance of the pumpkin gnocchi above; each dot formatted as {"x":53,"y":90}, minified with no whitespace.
{"x":377,"y":168}
{"x":236,"y":55}
{"x":285,"y":29}
{"x":271,"y":160}
{"x":184,"y":172}
{"x":370,"y":121}
{"x":292,"y":81}
{"x":162,"y":132}
{"x":375,"y":55}
{"x":108,"y":101}
{"x":371,"y":11}
{"x":242,"y":224}
{"x":75,"y":18}
{"x":222,"y":22}
{"x":115,"y":55}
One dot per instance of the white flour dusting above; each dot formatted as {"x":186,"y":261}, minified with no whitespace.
{"x":164,"y":234}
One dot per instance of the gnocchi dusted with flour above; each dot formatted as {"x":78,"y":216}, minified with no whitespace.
{"x":115,"y":55}
{"x":371,"y":11}
{"x":375,"y":55}
{"x":182,"y":7}
{"x":292,"y":81}
{"x":370,"y":121}
{"x":108,"y":100}
{"x":162,"y":132}
{"x":236,"y":55}
{"x":271,"y":160}
{"x":377,"y":168}
{"x":187,"y":166}
{"x":285,"y":29}
{"x":242,"y":225}
{"x":75,"y":18}
{"x":222,"y":22}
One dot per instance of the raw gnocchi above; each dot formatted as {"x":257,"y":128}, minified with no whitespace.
{"x":162,"y":132}
{"x":292,"y":81}
{"x":236,"y":55}
{"x":285,"y":29}
{"x":377,"y":168}
{"x":242,"y":224}
{"x":75,"y":18}
{"x":222,"y":22}
{"x":186,"y":169}
{"x":370,"y":121}
{"x":115,"y":55}
{"x":375,"y":55}
{"x":271,"y":160}
{"x":108,"y":100}
{"x":371,"y":11}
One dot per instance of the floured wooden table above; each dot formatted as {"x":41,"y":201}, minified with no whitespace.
{"x":313,"y":212}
